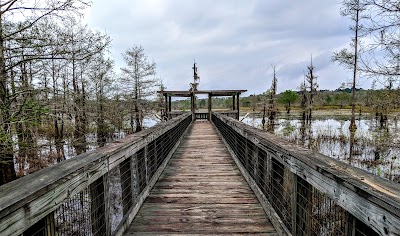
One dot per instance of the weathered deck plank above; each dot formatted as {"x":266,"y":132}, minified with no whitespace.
{"x":201,"y":192}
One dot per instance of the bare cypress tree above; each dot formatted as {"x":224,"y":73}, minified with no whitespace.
{"x":271,"y":102}
{"x":304,"y":99}
{"x":101,"y":76}
{"x":313,"y":87}
{"x":352,"y":9}
{"x":31,"y":13}
{"x":139,"y":84}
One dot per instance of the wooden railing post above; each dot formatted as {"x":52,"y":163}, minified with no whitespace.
{"x":134,"y":177}
{"x":247,"y":158}
{"x":209,"y":106}
{"x":146,"y":161}
{"x":106,"y":184}
{"x":238,"y":106}
{"x":255,"y":161}
{"x":294,"y":203}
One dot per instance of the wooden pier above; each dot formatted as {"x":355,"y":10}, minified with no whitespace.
{"x":200,"y":174}
{"x":201,"y":191}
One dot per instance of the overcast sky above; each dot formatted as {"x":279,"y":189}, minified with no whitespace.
{"x":234,"y":42}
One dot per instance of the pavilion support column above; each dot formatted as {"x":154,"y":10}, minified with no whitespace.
{"x":166,"y":105}
{"x":192,"y":105}
{"x":169,"y":103}
{"x":237,"y":105}
{"x":233,"y":103}
{"x":209,"y":106}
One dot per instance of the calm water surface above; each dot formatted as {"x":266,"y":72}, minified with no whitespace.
{"x":376,"y":148}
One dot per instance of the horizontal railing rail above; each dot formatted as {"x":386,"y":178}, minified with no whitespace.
{"x":232,"y":114}
{"x":306,"y":193}
{"x":96,"y":193}
{"x":174,"y":114}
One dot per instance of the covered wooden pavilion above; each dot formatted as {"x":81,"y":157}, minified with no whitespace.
{"x":235,"y":94}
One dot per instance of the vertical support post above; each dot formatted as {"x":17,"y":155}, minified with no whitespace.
{"x":50,"y":225}
{"x":169,"y":103}
{"x":192,"y":105}
{"x":156,"y":157}
{"x":255,"y":163}
{"x":351,"y":225}
{"x":237,"y":105}
{"x":166,"y":105}
{"x":247,"y":160}
{"x":98,"y":211}
{"x":268,"y":175}
{"x":107,"y":202}
{"x":294,"y":203}
{"x":233,"y":103}
{"x":134,"y":177}
{"x":209,"y":106}
{"x":146,"y":161}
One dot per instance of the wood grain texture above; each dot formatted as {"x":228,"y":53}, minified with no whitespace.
{"x":201,"y":192}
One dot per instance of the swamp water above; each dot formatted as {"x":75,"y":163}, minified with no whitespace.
{"x":376,"y":148}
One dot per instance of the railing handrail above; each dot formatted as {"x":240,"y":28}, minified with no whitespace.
{"x":370,"y":198}
{"x":40,"y":193}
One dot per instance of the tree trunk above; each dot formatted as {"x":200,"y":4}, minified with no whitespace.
{"x":101,"y":127}
{"x":353,"y":126}
{"x":137,"y":118}
{"x":7,"y":171}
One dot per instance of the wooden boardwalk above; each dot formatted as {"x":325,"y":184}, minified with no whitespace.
{"x":201,"y":191}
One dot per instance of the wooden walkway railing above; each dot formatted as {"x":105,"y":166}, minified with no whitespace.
{"x":307,"y":193}
{"x":96,"y":193}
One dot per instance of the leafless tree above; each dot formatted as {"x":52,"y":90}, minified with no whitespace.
{"x":16,"y":19}
{"x":139,"y":83}
{"x":352,"y":9}
{"x":272,"y":110}
{"x":312,"y":85}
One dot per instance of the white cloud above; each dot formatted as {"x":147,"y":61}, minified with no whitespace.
{"x":234,"y":42}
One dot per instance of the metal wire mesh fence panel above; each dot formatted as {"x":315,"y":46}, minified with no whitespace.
{"x":263,"y":173}
{"x":280,"y":192}
{"x":73,"y":216}
{"x":83,"y":214}
{"x":302,"y":208}
{"x":98,"y":214}
{"x":317,"y":214}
